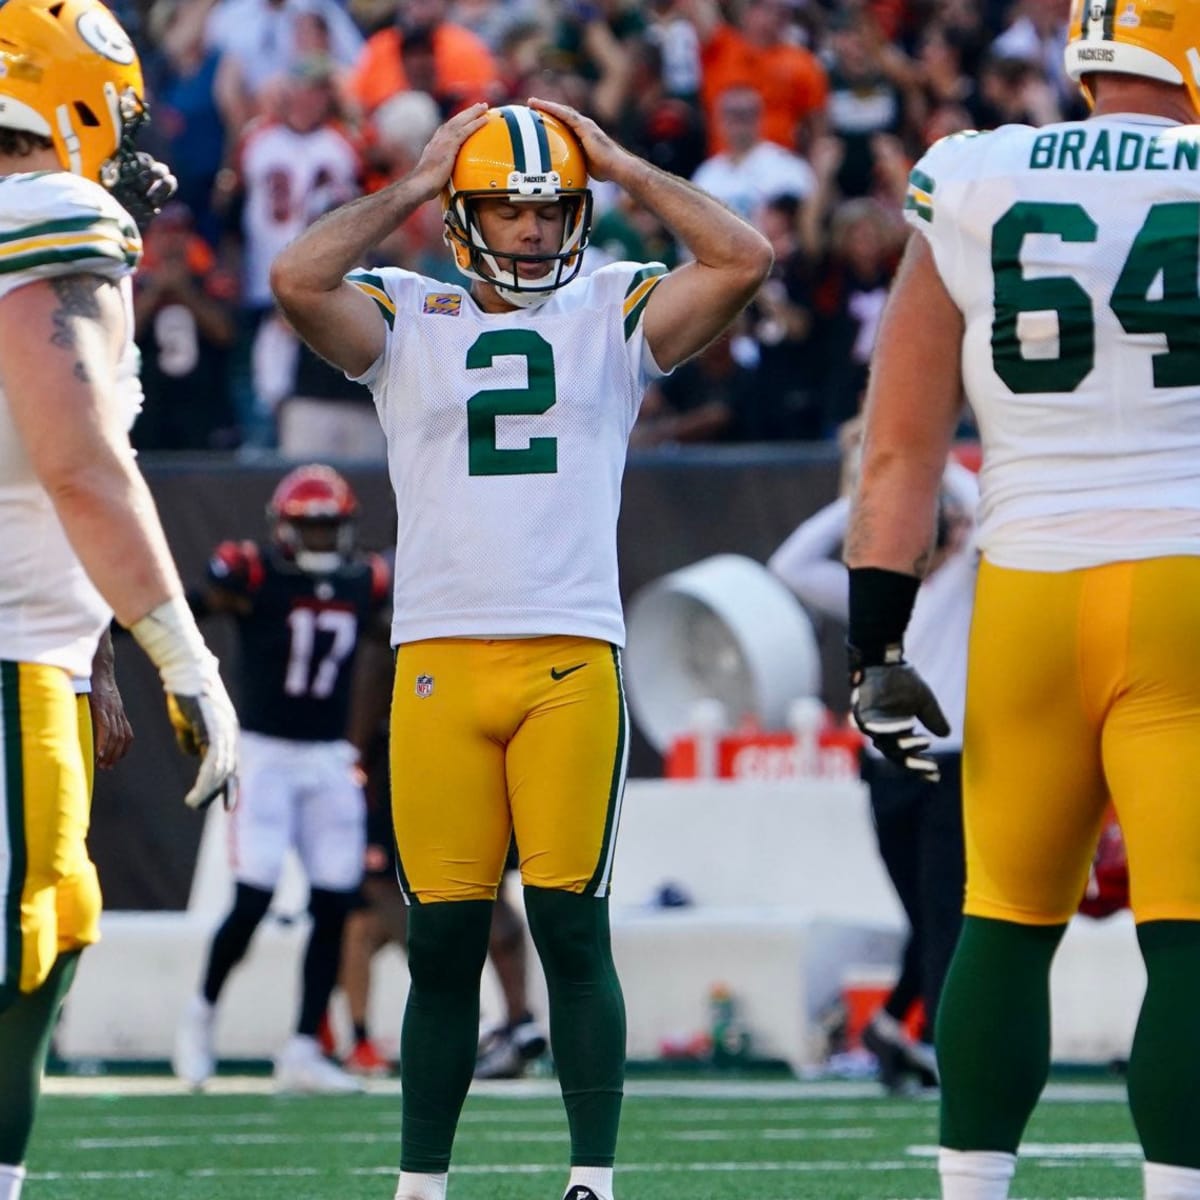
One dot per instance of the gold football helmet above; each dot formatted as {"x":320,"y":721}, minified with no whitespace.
{"x":69,"y":72}
{"x":1157,"y":39}
{"x":524,"y":155}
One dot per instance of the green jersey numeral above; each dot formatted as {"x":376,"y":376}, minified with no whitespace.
{"x":1157,"y":292}
{"x":484,"y":457}
{"x":1015,"y":295}
{"x":1167,"y":246}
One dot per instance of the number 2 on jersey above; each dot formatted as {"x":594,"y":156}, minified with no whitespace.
{"x":1157,"y":292}
{"x":484,"y":457}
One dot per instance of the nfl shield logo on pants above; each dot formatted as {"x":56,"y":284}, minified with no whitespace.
{"x":424,"y":686}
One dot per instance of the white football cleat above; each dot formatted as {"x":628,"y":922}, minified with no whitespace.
{"x":193,"y":1059}
{"x":301,"y":1067}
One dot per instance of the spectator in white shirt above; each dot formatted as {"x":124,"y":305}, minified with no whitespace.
{"x":753,"y":170}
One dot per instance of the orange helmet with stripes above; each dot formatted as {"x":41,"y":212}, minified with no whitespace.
{"x":525,"y":156}
{"x":69,"y":72}
{"x":1156,"y":39}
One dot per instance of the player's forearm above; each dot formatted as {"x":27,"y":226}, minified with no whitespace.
{"x":321,"y":256}
{"x":714,"y":236}
{"x":111,"y":522}
{"x":893,"y":517}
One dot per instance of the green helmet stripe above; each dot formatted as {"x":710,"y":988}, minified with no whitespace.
{"x":514,"y":136}
{"x":543,"y":142}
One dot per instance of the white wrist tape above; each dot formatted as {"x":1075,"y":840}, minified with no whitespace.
{"x":171,"y":640}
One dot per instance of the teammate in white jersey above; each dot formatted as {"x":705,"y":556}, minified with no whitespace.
{"x":81,"y":538}
{"x":1054,"y":281}
{"x":507,"y":407}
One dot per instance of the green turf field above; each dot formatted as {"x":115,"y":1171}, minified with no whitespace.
{"x":146,"y":1140}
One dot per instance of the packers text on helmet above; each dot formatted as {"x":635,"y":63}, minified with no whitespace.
{"x":1156,"y":39}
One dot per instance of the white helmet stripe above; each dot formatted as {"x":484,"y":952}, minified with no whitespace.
{"x":70,"y":139}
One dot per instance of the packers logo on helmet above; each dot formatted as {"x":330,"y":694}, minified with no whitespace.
{"x":69,"y":72}
{"x":525,"y":156}
{"x":1156,"y":39}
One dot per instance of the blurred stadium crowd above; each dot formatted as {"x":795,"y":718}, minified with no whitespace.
{"x":802,"y":115}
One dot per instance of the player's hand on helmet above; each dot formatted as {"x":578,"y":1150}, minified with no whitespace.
{"x":604,"y":155}
{"x":888,"y":700}
{"x":206,"y":725}
{"x":433,"y":168}
{"x":199,"y":707}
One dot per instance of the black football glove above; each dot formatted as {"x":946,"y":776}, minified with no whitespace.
{"x":142,"y":185}
{"x":887,"y":701}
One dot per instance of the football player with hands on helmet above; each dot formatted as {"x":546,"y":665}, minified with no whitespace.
{"x":301,"y":603}
{"x":507,"y":404}
{"x":81,"y":537}
{"x":1051,"y":280}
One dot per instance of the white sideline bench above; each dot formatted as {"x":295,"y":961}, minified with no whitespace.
{"x":789,"y":898}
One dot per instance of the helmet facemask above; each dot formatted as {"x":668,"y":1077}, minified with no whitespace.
{"x":318,"y":546}
{"x":483,"y":263}
{"x":140,"y":183}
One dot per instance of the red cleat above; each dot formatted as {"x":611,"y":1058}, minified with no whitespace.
{"x":364,"y":1059}
{"x":325,"y":1038}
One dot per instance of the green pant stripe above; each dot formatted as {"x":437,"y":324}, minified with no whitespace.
{"x":12,"y":831}
{"x":405,"y":889}
{"x":599,"y":883}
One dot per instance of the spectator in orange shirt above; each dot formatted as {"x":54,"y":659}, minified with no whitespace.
{"x":463,"y":70}
{"x":756,"y":53}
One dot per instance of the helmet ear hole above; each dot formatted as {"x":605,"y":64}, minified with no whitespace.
{"x":56,"y":10}
{"x":86,"y":116}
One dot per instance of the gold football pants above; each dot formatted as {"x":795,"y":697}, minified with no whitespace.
{"x":490,"y":738}
{"x":49,"y":893}
{"x":1081,"y":685}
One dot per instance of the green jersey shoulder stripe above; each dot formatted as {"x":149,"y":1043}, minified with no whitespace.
{"x":84,"y":253}
{"x":640,"y":277}
{"x":372,"y":285}
{"x":644,"y":282}
{"x":103,"y":226}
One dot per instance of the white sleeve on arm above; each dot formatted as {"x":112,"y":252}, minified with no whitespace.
{"x":806,"y":562}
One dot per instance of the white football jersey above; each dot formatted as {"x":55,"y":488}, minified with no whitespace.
{"x":54,"y":223}
{"x":1072,"y":251}
{"x":290,"y":179}
{"x":506,"y":444}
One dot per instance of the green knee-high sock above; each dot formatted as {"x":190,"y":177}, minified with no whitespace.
{"x":587,"y":1016}
{"x":447,"y":946}
{"x":993,"y":1032}
{"x":1164,"y":1084}
{"x":25,"y":1028}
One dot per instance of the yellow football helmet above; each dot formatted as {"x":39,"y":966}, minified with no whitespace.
{"x":1157,"y":39}
{"x":69,"y":72}
{"x":524,"y":155}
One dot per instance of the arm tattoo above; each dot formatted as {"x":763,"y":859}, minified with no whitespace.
{"x":77,"y":297}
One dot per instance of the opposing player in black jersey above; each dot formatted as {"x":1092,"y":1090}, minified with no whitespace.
{"x":300,"y":603}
